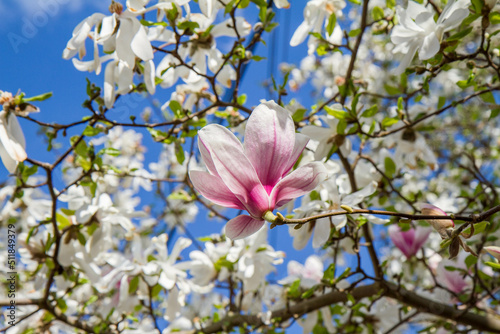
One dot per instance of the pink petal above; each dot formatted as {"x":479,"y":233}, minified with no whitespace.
{"x":234,"y":168}
{"x":269,"y":142}
{"x":299,"y":182}
{"x":212,"y":188}
{"x":300,"y":143}
{"x":409,"y":242}
{"x":242,"y":226}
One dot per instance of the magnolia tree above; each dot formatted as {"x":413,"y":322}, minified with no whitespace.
{"x":377,"y":154}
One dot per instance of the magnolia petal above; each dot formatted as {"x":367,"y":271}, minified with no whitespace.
{"x":322,"y":230}
{"x":298,"y":183}
{"x":494,"y":251}
{"x":234,"y":168}
{"x":300,"y":34}
{"x":242,"y":226}
{"x":17,"y":136}
{"x":149,"y":76}
{"x":140,"y":43}
{"x":12,"y":142}
{"x":359,"y":196}
{"x":300,"y":144}
{"x":124,"y":41}
{"x":269,"y":142}
{"x":430,"y":47}
{"x":212,"y":188}
{"x":226,"y":28}
{"x":207,"y":7}
{"x":124,"y":77}
{"x":109,"y":84}
{"x":7,"y":160}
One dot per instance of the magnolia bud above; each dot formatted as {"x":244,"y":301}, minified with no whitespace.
{"x":493,"y":250}
{"x":442,"y":226}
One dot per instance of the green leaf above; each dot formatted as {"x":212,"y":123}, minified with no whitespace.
{"x":391,"y":89}
{"x":400,"y":103}
{"x":62,"y":305}
{"x":390,"y":167}
{"x":110,"y":151}
{"x":176,"y":108}
{"x":377,"y":13}
{"x":339,"y":114}
{"x":441,"y":102}
{"x":478,"y":5}
{"x":62,"y":220}
{"x":40,"y":97}
{"x":494,"y":113}
{"x":387,"y":122}
{"x":293,"y":290}
{"x":151,"y":24}
{"x":242,"y":99}
{"x":470,"y":261}
{"x":493,"y":265}
{"x":299,"y":115}
{"x":133,"y":285}
{"x":354,"y":32}
{"x":478,"y":228}
{"x":179,"y":153}
{"x":91,"y":131}
{"x":459,"y":35}
{"x":188,"y":25}
{"x":332,"y":20}
{"x":488,"y":97}
{"x":494,"y":18}
{"x":370,"y":112}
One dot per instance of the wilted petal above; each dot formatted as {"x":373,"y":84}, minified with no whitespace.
{"x":234,"y":168}
{"x":269,"y":142}
{"x":212,"y":188}
{"x":299,"y":182}
{"x":242,"y":226}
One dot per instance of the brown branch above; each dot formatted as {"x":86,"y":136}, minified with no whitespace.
{"x":391,"y":290}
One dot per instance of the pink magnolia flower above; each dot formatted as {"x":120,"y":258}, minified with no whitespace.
{"x":440,"y":225}
{"x":409,"y":242}
{"x":453,"y":280}
{"x":253,"y":176}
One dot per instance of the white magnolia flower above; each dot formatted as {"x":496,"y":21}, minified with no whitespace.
{"x":316,"y":15}
{"x":124,"y":39}
{"x":326,"y":137}
{"x":417,"y":29}
{"x":12,"y":142}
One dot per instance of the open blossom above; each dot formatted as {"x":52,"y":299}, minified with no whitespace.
{"x":253,"y":176}
{"x":12,"y":142}
{"x":123,"y":38}
{"x":418,"y":31}
{"x":316,"y":14}
{"x":409,"y":242}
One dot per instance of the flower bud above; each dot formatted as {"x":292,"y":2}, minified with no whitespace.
{"x":440,"y":225}
{"x":493,"y":250}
